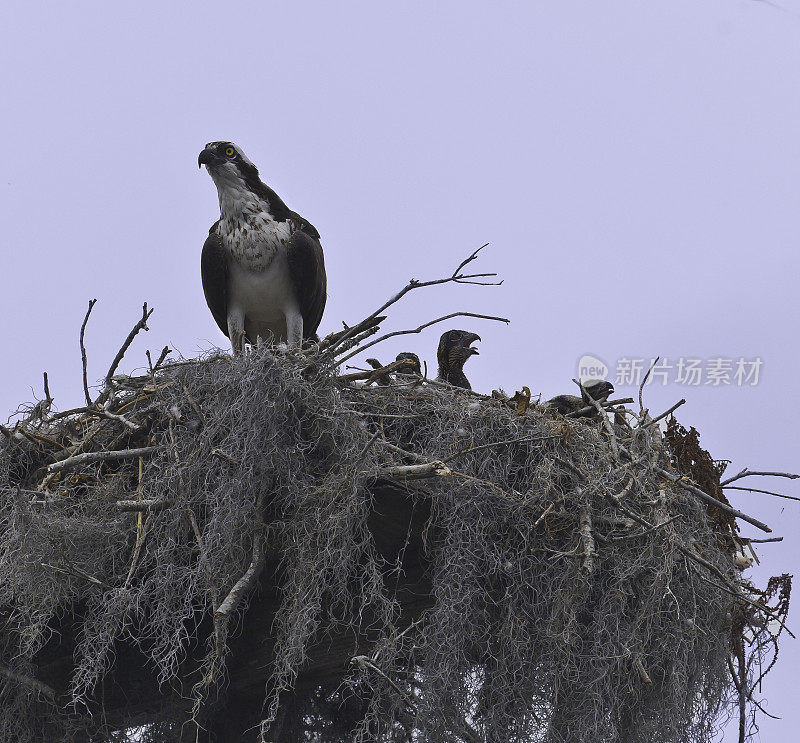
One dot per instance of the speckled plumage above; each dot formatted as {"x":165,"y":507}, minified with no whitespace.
{"x":262,"y":265}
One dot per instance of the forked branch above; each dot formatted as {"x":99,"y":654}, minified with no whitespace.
{"x":92,"y":303}
{"x":419,"y":329}
{"x":141,"y":325}
{"x":456,"y":277}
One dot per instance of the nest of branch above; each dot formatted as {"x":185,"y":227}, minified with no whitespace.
{"x":497,"y":573}
{"x":262,"y":549}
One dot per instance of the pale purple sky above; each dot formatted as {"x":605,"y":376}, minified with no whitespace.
{"x":657,"y":143}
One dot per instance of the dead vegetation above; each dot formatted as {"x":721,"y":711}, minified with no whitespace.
{"x":262,"y":548}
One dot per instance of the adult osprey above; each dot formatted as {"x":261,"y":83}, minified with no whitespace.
{"x":262,"y":264}
{"x":455,"y":347}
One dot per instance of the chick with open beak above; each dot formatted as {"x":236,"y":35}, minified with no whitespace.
{"x":455,"y":347}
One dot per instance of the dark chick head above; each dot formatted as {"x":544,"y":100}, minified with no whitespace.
{"x":596,"y":389}
{"x":413,"y":366}
{"x":455,"y":347}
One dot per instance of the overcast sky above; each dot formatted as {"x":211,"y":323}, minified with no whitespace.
{"x":635,"y":166}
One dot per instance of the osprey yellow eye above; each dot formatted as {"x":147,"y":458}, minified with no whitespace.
{"x":229,"y":151}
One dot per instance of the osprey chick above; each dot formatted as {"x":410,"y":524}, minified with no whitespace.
{"x":592,"y":389}
{"x":262,"y":264}
{"x":454,"y":350}
{"x":413,"y":366}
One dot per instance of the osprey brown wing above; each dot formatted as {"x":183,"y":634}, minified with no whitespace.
{"x":214,"y":269}
{"x":307,"y":271}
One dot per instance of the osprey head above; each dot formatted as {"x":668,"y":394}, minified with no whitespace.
{"x":596,"y":389}
{"x":456,"y":346}
{"x":227,"y":164}
{"x":412,"y":366}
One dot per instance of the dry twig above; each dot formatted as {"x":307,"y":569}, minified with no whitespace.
{"x":140,"y":325}
{"x":419,"y":329}
{"x":92,"y":303}
{"x":683,"y":483}
{"x":98,"y":456}
{"x":456,"y":277}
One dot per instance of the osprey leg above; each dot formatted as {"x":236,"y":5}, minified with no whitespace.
{"x":294,"y":329}
{"x":236,"y":330}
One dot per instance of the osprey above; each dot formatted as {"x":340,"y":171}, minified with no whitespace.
{"x":410,"y":365}
{"x":455,"y":347}
{"x":413,"y":365}
{"x":262,"y":264}
{"x":591,"y":389}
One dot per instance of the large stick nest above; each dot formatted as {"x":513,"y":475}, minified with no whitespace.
{"x":533,"y":577}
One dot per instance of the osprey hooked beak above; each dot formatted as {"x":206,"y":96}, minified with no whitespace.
{"x":469,"y":340}
{"x":208,"y":157}
{"x":596,"y":389}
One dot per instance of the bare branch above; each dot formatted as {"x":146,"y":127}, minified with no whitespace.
{"x":9,"y":434}
{"x":525,"y":439}
{"x":227,"y":457}
{"x":148,"y":504}
{"x":47,"y":396}
{"x":100,"y":412}
{"x":72,"y":411}
{"x":154,"y":367}
{"x":362,"y":660}
{"x":140,"y":537}
{"x":460,"y":390}
{"x":245,"y":584}
{"x":667,"y":412}
{"x":761,"y":541}
{"x":414,"y":471}
{"x":403,"y":453}
{"x":644,"y":677}
{"x":373,"y":375}
{"x":766,"y":492}
{"x":544,"y":514}
{"x":380,"y":414}
{"x":72,"y":570}
{"x":141,"y":325}
{"x":368,"y":445}
{"x":358,"y":337}
{"x":568,"y":466}
{"x":98,"y":456}
{"x":29,"y":681}
{"x":644,"y":533}
{"x":419,"y":330}
{"x":469,"y":260}
{"x":727,"y":589}
{"x":456,"y":277}
{"x":605,"y":405}
{"x":751,"y":473}
{"x":92,"y":303}
{"x":612,"y":436}
{"x":682,"y":482}
{"x":369,"y":324}
{"x":641,"y":386}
